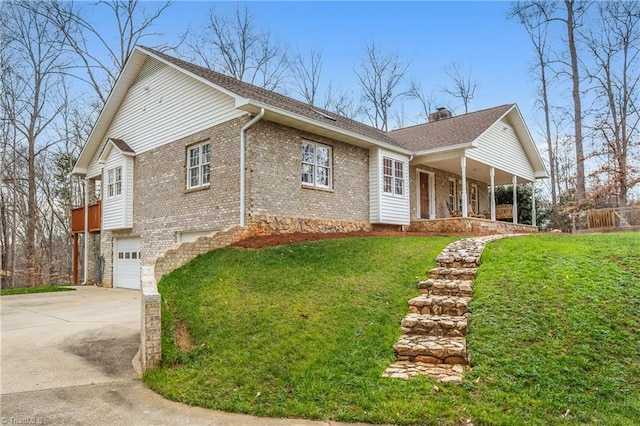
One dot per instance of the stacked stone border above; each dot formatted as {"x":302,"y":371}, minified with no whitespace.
{"x":433,"y":342}
{"x":259,"y":225}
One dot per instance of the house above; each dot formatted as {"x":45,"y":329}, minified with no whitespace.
{"x":179,"y":151}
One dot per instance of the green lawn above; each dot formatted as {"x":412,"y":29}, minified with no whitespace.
{"x":305,"y":330}
{"x":30,"y":290}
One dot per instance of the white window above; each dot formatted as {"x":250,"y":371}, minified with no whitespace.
{"x":114,"y":182}
{"x":393,"y":176}
{"x":452,"y":195}
{"x":316,"y":165}
{"x":198,"y":165}
{"x":473,"y":189}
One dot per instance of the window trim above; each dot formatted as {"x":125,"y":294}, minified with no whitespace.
{"x":200,"y":166}
{"x":314,"y":166}
{"x":452,"y":196}
{"x":475,"y":204}
{"x":392,"y":180}
{"x":114,"y":189}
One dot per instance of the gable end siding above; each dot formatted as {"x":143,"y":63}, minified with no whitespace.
{"x":164,"y":106}
{"x":501,"y":148}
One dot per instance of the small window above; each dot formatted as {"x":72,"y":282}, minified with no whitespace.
{"x":393,"y":176}
{"x":120,"y":255}
{"x":452,"y":195}
{"x":473,"y":189}
{"x":134,"y":255}
{"x":316,"y":165}
{"x":114,"y":182}
{"x":199,"y":166}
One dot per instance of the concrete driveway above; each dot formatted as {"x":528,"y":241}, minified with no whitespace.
{"x":68,"y":358}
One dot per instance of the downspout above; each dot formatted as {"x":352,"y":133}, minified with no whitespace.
{"x":86,"y":230}
{"x":243,"y":144}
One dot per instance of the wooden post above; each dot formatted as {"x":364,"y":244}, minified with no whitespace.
{"x":493,"y":193}
{"x":75,"y":259}
{"x":463,"y":166}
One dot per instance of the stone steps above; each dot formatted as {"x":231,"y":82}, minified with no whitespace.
{"x":434,"y":325}
{"x":439,"y":305}
{"x":433,"y":341}
{"x":444,"y":273}
{"x":431,"y":349}
{"x":439,"y":287}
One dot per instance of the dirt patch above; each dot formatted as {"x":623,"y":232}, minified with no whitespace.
{"x":302,"y":237}
{"x":111,"y":354}
{"x":182,"y":337}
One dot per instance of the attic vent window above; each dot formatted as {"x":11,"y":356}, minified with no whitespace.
{"x":328,"y":117}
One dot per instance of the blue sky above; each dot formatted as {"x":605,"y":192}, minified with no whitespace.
{"x":430,"y":34}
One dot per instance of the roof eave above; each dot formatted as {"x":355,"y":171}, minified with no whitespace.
{"x":254,"y":106}
{"x":458,"y":147}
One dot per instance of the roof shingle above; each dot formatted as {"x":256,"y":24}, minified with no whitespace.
{"x":456,"y":130}
{"x":277,"y":100}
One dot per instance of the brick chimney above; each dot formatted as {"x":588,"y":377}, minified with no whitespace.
{"x":441,"y":114}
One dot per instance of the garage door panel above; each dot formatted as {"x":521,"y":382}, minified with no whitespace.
{"x":127,"y":263}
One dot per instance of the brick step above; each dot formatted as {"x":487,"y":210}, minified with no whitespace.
{"x":438,"y":287}
{"x":434,"y":325}
{"x":431,"y":349}
{"x":453,"y":273}
{"x":439,"y":305}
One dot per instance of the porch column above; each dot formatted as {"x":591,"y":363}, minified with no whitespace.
{"x":515,"y":198}
{"x":493,"y":194}
{"x":533,"y":203}
{"x":463,"y":165}
{"x":86,"y":230}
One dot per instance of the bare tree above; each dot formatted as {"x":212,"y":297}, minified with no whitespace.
{"x":380,"y":75}
{"x":233,"y":46}
{"x":306,"y":72}
{"x":100,"y":60}
{"x":35,"y":74}
{"x":428,"y":102}
{"x":341,"y":102}
{"x":463,"y":85}
{"x":615,"y":48}
{"x":537,"y":28}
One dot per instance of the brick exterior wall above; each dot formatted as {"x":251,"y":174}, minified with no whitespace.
{"x":442,"y":191}
{"x":274,"y":177}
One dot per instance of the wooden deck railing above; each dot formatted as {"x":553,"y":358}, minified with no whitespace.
{"x":95,"y":215}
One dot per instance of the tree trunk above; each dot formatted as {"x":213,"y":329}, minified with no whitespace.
{"x":577,"y":105}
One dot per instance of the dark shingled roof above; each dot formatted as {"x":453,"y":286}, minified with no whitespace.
{"x":122,"y":145}
{"x":273,"y":99}
{"x":449,"y":131}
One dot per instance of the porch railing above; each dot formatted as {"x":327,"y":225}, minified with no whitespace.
{"x":95,"y":215}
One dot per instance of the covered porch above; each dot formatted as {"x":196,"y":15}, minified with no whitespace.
{"x":456,"y":186}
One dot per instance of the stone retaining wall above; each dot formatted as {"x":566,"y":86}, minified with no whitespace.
{"x":259,"y":225}
{"x":469,"y":225}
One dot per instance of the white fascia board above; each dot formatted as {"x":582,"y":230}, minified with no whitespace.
{"x":458,"y":147}
{"x":246,"y":104}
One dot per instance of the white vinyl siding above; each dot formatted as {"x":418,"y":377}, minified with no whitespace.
{"x":389,"y":205}
{"x":499,"y":147}
{"x":166,"y":106}
{"x":117,"y":211}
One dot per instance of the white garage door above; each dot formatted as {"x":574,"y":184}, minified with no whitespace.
{"x":126,"y":261}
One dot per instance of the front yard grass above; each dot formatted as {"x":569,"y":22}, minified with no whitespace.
{"x":305,"y":330}
{"x":30,"y":290}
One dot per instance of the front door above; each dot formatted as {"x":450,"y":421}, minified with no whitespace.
{"x":424,"y":196}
